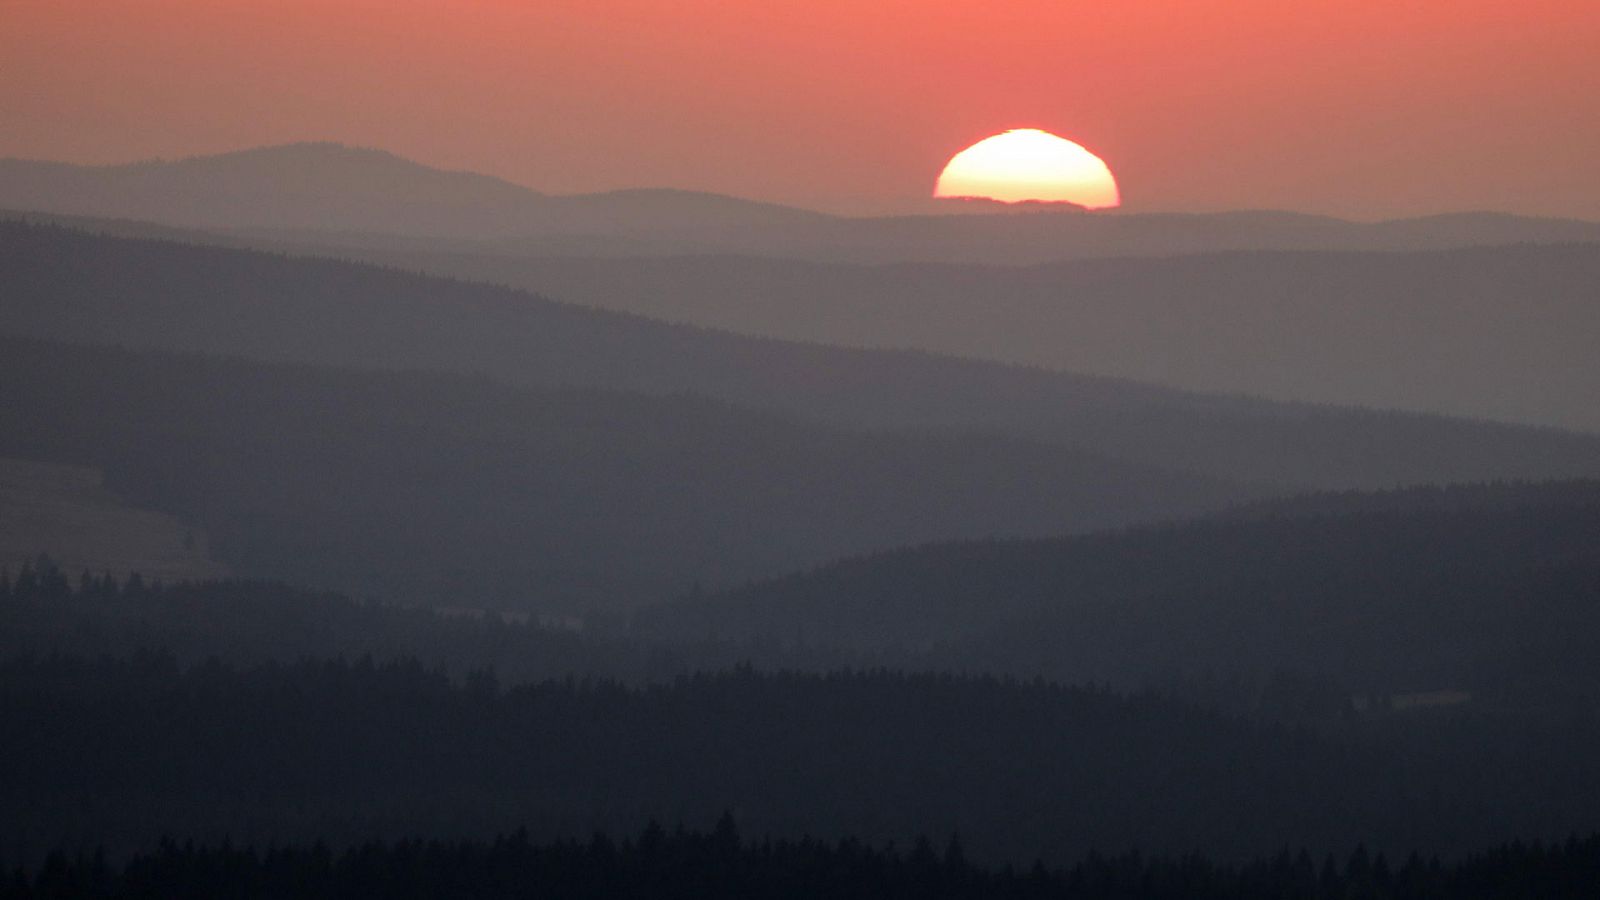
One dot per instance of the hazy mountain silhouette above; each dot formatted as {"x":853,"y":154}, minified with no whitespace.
{"x":1495,"y":332}
{"x":72,"y":286}
{"x":330,"y":187}
{"x":326,"y":188}
{"x":1484,"y":590}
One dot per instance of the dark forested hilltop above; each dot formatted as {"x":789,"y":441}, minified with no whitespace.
{"x":69,"y":285}
{"x":46,"y":610}
{"x":420,"y":486}
{"x":350,"y":751}
{"x":1492,"y":591}
{"x":722,"y":864}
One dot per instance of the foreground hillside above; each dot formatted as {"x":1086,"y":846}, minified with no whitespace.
{"x":68,"y":285}
{"x":1489,"y":592}
{"x":723,"y":865}
{"x":347,"y":752}
{"x":421,"y":486}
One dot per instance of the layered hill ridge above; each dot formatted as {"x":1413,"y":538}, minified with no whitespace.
{"x":1436,"y":314}
{"x":456,"y":491}
{"x":1495,"y":332}
{"x":67,"y":285}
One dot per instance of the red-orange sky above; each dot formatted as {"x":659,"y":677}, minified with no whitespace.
{"x":1356,"y":107}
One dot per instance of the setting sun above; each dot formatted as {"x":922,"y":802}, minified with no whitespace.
{"x":1028,"y":164}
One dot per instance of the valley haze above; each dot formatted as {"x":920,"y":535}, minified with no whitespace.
{"x":377,"y":529}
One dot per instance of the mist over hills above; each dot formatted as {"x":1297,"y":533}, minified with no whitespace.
{"x":1501,"y":332}
{"x":65,"y":285}
{"x":661,"y":479}
{"x":442,"y":442}
{"x":1472,"y":314}
{"x":323,"y":188}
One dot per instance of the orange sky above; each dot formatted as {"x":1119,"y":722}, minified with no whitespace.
{"x":1355,"y":107}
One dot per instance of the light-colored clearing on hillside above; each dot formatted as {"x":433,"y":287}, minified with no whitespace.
{"x":67,"y":512}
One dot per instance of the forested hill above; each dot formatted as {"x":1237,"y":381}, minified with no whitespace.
{"x":348,"y":752}
{"x":422,"y":486}
{"x":1490,"y":591}
{"x":722,"y":864}
{"x":68,"y":285}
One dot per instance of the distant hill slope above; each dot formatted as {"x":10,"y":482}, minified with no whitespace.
{"x":1497,"y":332}
{"x":68,"y":285}
{"x":332,"y":188}
{"x":66,"y":511}
{"x":458,"y":491}
{"x":1492,"y":590}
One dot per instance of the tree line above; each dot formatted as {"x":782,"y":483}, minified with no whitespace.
{"x":45,"y":610}
{"x":120,"y":751}
{"x":719,"y":863}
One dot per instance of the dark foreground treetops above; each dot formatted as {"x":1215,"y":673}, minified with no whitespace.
{"x":718,"y":864}
{"x":118,"y":753}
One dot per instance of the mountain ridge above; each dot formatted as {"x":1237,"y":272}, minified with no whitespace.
{"x":323,"y":186}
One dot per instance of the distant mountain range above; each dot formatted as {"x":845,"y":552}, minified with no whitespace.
{"x":326,"y":188}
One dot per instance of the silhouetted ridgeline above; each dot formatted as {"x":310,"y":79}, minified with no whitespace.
{"x":71,"y":286}
{"x":1488,"y":590}
{"x":722,"y":865}
{"x":418,"y":486}
{"x":120,"y":753}
{"x":337,"y":192}
{"x":332,"y":188}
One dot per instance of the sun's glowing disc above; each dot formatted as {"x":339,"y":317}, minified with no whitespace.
{"x":1029,"y":164}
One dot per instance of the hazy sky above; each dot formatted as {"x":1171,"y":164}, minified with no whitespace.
{"x":1357,"y":107}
